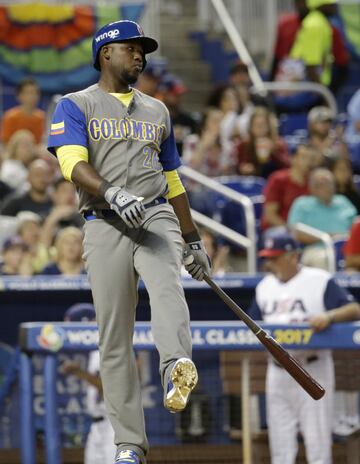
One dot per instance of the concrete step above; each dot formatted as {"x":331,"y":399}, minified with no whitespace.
{"x":178,"y":8}
{"x":184,"y":51}
{"x":194,"y":69}
{"x":178,"y":19}
{"x":181,"y":27}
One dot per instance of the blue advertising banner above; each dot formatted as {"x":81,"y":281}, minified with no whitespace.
{"x":55,"y":337}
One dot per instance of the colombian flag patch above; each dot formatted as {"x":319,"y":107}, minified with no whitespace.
{"x":57,"y":128}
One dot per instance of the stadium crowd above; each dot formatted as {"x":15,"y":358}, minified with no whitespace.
{"x":237,"y":134}
{"x":309,"y":177}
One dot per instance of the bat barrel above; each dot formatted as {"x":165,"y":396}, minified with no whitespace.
{"x":309,"y":384}
{"x":291,"y":365}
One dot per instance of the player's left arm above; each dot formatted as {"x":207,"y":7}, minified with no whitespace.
{"x":179,"y":201}
{"x":340,"y":305}
{"x":196,"y":259}
{"x":170,"y":160}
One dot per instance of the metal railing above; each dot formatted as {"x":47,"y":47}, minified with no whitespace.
{"x":325,"y":238}
{"x":303,"y":87}
{"x":249,"y":241}
{"x":238,"y":44}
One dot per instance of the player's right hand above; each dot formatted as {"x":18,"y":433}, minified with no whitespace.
{"x":127,"y":206}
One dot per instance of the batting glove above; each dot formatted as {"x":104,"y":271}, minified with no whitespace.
{"x":127,"y":206}
{"x":196,"y":260}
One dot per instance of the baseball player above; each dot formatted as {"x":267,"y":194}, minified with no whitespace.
{"x":117,"y":145}
{"x":292,"y":293}
{"x":99,"y":446}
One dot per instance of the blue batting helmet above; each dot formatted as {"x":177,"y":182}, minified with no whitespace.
{"x":120,"y":31}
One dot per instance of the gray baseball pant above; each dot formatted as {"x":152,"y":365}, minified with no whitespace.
{"x":115,"y":257}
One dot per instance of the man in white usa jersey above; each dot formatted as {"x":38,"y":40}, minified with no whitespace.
{"x":294,"y":293}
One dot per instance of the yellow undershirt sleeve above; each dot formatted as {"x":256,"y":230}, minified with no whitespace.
{"x":175,"y":185}
{"x":69,"y":156}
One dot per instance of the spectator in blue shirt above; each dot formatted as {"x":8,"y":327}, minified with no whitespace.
{"x":324,"y":210}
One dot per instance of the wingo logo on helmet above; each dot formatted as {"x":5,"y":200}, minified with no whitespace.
{"x":111,"y":34}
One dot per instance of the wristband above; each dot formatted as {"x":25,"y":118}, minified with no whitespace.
{"x":105,"y":185}
{"x":191,"y":237}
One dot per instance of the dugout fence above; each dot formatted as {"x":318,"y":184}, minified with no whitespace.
{"x":229,"y":399}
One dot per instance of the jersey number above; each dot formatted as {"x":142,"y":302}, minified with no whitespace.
{"x":151,"y":160}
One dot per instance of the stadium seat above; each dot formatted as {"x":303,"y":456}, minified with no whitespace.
{"x":356,"y":179}
{"x":292,"y":124}
{"x":248,"y":185}
{"x":355,"y":156}
{"x":232,"y":214}
{"x":339,"y":255}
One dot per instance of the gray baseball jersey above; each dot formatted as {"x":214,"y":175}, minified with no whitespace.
{"x":128,"y":146}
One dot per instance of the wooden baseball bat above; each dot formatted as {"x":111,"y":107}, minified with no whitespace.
{"x":302,"y":377}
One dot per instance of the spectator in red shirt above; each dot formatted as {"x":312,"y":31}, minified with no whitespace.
{"x":263,"y":151}
{"x":287,"y":29}
{"x":284,"y":186}
{"x":352,"y":248}
{"x":26,"y":115}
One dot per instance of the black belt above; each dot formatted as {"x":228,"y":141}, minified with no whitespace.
{"x":308,"y":360}
{"x":91,"y":214}
{"x":98,"y":419}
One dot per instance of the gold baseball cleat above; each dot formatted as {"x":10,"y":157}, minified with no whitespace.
{"x":182,"y":381}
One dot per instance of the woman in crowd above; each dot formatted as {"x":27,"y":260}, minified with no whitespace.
{"x":68,"y":248}
{"x":30,"y":230}
{"x":204,"y":151}
{"x":343,"y":173}
{"x":225,"y":99}
{"x":19,"y":153}
{"x":263,"y":151}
